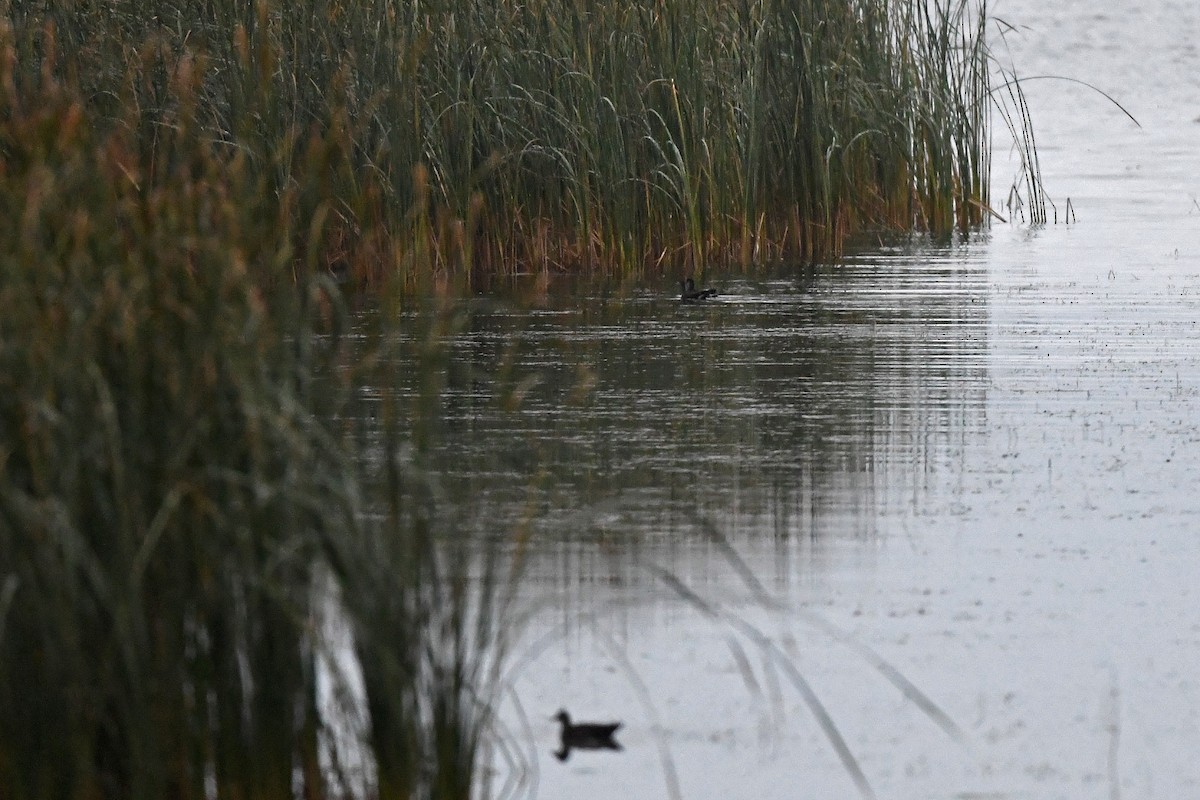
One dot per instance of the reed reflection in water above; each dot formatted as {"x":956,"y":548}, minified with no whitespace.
{"x":638,"y":440}
{"x":794,"y":411}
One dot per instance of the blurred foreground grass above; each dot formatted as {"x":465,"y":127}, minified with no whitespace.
{"x":193,"y":601}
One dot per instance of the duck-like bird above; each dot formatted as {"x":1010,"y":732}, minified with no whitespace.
{"x":585,"y":735}
{"x":688,"y":293}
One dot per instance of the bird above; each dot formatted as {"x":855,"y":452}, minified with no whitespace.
{"x":688,"y":293}
{"x":585,"y":735}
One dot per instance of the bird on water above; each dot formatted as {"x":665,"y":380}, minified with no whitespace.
{"x":688,"y":293}
{"x":585,"y":735}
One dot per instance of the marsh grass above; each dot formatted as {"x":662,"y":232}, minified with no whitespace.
{"x":559,"y":133}
{"x":189,"y":482}
{"x":183,"y":494}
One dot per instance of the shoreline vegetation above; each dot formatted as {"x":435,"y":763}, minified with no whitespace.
{"x":224,"y":569}
{"x":551,"y":134}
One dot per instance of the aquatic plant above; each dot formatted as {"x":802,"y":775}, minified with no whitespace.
{"x":204,"y":592}
{"x":551,"y":132}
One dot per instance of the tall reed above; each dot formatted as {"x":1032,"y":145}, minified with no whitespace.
{"x":186,"y":511}
{"x":557,"y":132}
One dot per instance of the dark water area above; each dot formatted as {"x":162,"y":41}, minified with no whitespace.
{"x":972,"y":464}
{"x":772,"y":409}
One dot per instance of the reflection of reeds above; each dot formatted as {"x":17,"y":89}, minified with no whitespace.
{"x":558,"y":132}
{"x":175,"y":492}
{"x":775,"y":658}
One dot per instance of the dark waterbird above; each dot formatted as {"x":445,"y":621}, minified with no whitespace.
{"x":688,"y":293}
{"x":585,"y":735}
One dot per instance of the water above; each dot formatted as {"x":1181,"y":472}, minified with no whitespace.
{"x":972,"y":464}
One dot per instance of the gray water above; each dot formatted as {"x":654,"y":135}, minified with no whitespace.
{"x":973,"y":464}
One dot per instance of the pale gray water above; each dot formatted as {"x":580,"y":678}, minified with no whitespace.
{"x":979,"y":460}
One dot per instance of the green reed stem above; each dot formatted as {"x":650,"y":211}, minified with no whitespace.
{"x":679,"y":131}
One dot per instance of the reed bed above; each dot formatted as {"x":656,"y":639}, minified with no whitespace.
{"x":206,"y":589}
{"x":569,"y":134}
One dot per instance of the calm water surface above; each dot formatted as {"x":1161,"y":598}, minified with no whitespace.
{"x":976,"y":465}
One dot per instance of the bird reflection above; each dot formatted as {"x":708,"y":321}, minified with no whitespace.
{"x":585,"y":736}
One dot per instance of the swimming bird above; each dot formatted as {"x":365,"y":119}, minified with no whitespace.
{"x":585,"y":735}
{"x":688,"y":293}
